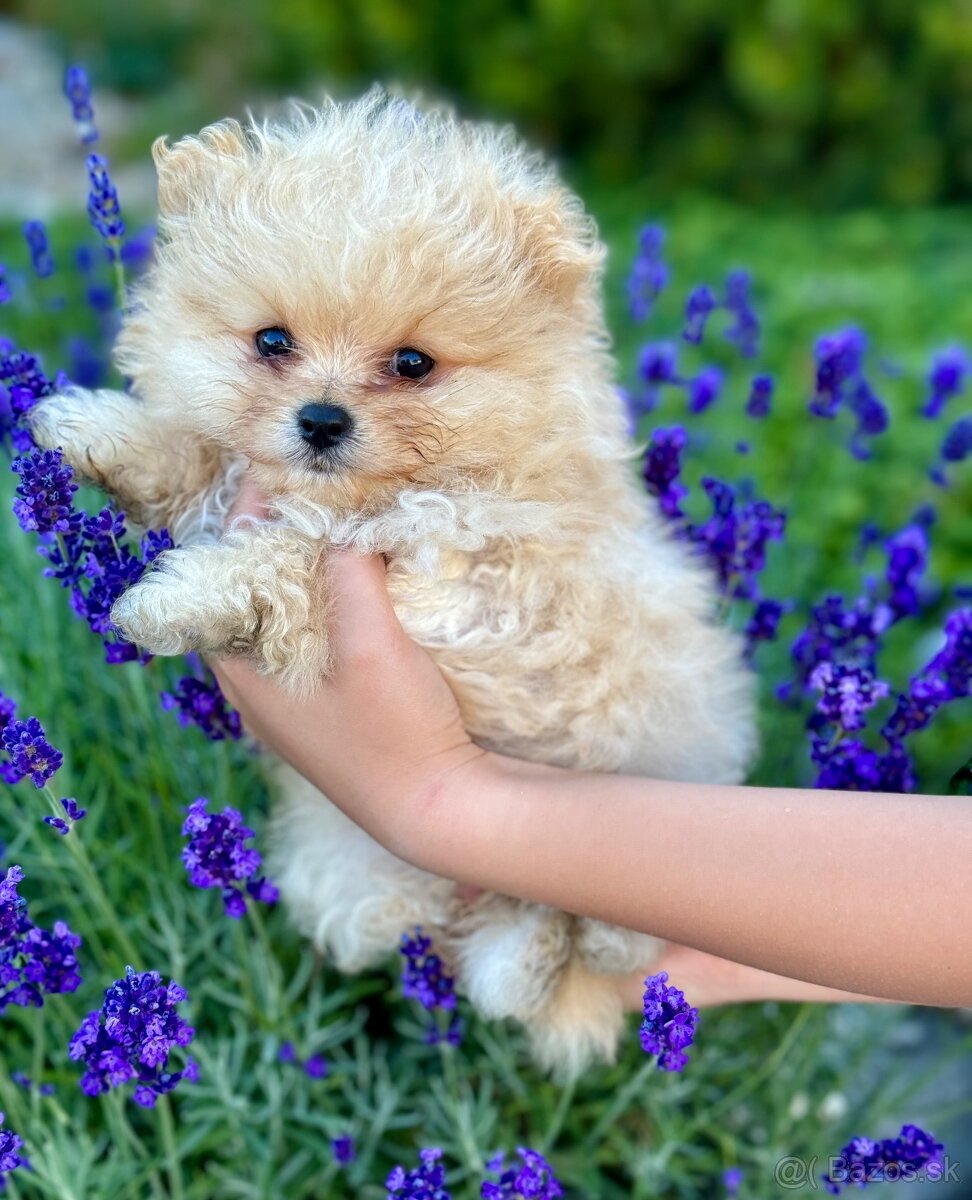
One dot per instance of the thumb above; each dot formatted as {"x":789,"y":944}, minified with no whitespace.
{"x":250,"y":501}
{"x":365,"y":624}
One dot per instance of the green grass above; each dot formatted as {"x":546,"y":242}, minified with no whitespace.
{"x":758,"y":1084}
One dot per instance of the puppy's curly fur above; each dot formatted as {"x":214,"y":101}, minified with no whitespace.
{"x":522,"y":553}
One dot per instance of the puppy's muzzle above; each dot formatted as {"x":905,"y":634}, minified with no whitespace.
{"x":324,"y":426}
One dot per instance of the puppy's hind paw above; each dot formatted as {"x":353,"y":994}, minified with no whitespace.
{"x":609,"y":950}
{"x":510,"y":956}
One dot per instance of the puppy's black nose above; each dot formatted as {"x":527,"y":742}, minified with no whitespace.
{"x":323,"y":425}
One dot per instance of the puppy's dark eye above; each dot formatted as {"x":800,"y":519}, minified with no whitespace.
{"x":270,"y":342}
{"x":410,"y":364}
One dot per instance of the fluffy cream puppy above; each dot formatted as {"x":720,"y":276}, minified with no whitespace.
{"x":393,"y":319}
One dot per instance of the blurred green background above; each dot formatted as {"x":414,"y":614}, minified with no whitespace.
{"x":824,"y":102}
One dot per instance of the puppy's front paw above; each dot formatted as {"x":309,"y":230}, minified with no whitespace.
{"x":69,"y":420}
{"x":175,"y":608}
{"x":150,"y":615}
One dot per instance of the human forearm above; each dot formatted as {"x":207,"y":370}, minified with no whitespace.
{"x":819,"y":886}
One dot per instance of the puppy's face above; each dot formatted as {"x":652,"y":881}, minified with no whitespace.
{"x":365,"y":299}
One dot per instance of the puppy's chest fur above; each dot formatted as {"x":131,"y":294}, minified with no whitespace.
{"x":565,"y":657}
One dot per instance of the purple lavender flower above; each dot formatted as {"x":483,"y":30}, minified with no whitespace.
{"x":847,"y":694}
{"x":451,"y":1035}
{"x":86,"y":366}
{"x":104,"y":209}
{"x":50,"y":965}
{"x":872,"y":418}
{"x":864,"y":1161}
{"x":945,"y":379}
{"x":663,"y":466}
{"x":4,"y":285}
{"x":34,"y":962}
{"x":669,"y":1024}
{"x":907,"y":560}
{"x":131,"y":1037}
{"x":423,"y":974}
{"x":7,"y":709}
{"x":649,"y":273}
{"x":287,"y":1053}
{"x":93,"y":560}
{"x":200,"y":702}
{"x":839,"y":357}
{"x":11,"y":1157}
{"x":533,"y":1176}
{"x":216,"y":857}
{"x":924,"y":515}
{"x":72,"y":811}
{"x":744,"y":331}
{"x":425,"y":1182}
{"x":953,"y":663}
{"x":35,"y":235}
{"x":732,"y":1177}
{"x":45,"y":493}
{"x":957,"y":447}
{"x":847,"y":766}
{"x":77,"y":88}
{"x":916,"y":707}
{"x":657,"y":365}
{"x":896,"y":769}
{"x":760,"y":397}
{"x":957,"y":444}
{"x":699,"y":307}
{"x":99,"y":568}
{"x":343,"y":1150}
{"x":108,"y":569}
{"x":763,"y":625}
{"x":836,"y":632}
{"x":100,"y":298}
{"x":138,"y":250}
{"x":839,"y":379}
{"x":23,"y":379}
{"x":30,"y":753}
{"x":735,"y":537}
{"x":316,"y":1067}
{"x":13,"y":909}
{"x":704,"y":389}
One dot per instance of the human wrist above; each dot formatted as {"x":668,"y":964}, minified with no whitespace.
{"x":452,"y":822}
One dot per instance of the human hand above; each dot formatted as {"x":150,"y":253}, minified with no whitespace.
{"x":383,"y":732}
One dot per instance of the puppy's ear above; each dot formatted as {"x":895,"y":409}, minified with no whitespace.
{"x":558,"y":242}
{"x":188,"y":170}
